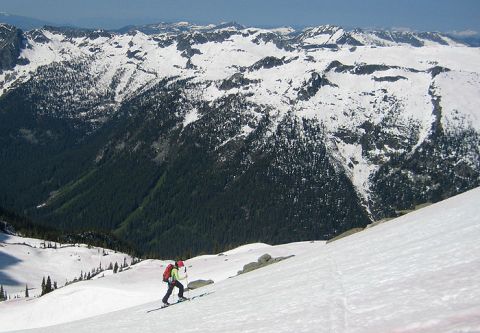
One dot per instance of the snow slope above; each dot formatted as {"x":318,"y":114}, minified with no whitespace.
{"x":109,"y":292}
{"x":417,"y":273}
{"x":24,"y":261}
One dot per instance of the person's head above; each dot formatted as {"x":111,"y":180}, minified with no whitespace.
{"x":179,"y":264}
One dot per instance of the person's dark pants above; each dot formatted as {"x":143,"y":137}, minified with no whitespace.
{"x":170,"y":289}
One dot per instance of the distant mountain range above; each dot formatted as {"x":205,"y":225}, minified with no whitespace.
{"x":473,"y":40}
{"x":183,"y":138}
{"x":22,"y":22}
{"x":28,"y":23}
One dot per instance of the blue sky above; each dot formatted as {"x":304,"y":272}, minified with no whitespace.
{"x":424,"y":15}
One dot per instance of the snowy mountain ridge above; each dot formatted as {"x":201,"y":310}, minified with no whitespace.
{"x":366,"y":105}
{"x":124,"y":65}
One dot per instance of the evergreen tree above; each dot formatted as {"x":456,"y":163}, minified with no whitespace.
{"x":55,"y":285}
{"x":115,"y":268}
{"x":48,"y":285}
{"x":43,"y":287}
{"x":2,"y":294}
{"x":26,"y":291}
{"x":110,"y":266}
{"x":124,"y":262}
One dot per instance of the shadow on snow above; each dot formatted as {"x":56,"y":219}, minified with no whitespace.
{"x":6,"y":260}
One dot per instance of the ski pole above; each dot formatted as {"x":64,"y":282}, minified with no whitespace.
{"x":186,"y":277}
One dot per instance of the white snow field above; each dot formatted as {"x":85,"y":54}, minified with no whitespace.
{"x":417,"y":273}
{"x":107,"y":292}
{"x":24,"y":261}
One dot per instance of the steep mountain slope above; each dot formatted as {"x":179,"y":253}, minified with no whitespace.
{"x":189,"y":138}
{"x":417,"y":273}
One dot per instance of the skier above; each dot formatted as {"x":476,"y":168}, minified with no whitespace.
{"x":172,"y":277}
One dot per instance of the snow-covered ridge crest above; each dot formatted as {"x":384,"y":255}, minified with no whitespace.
{"x":110,"y":49}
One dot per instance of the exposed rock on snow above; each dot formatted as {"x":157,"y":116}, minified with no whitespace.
{"x":263,"y":261}
{"x":199,"y":284}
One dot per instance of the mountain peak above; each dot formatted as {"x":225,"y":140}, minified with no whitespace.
{"x":232,"y":25}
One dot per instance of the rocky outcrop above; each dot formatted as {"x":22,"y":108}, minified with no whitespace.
{"x":281,"y":42}
{"x":267,"y":62}
{"x":434,"y":71}
{"x":263,"y":261}
{"x":69,"y":32}
{"x":348,"y":39}
{"x":313,"y":85}
{"x":389,"y":78}
{"x":237,"y":80}
{"x":360,"y":69}
{"x":399,"y":37}
{"x":38,"y":36}
{"x":338,"y":67}
{"x":199,"y":284}
{"x":433,"y":36}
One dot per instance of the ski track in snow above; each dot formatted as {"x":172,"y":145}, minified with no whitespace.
{"x":338,"y":302}
{"x":418,"y":273}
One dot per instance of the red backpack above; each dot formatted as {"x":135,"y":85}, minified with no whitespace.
{"x":167,"y":272}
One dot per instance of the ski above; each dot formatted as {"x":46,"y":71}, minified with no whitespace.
{"x":178,"y":302}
